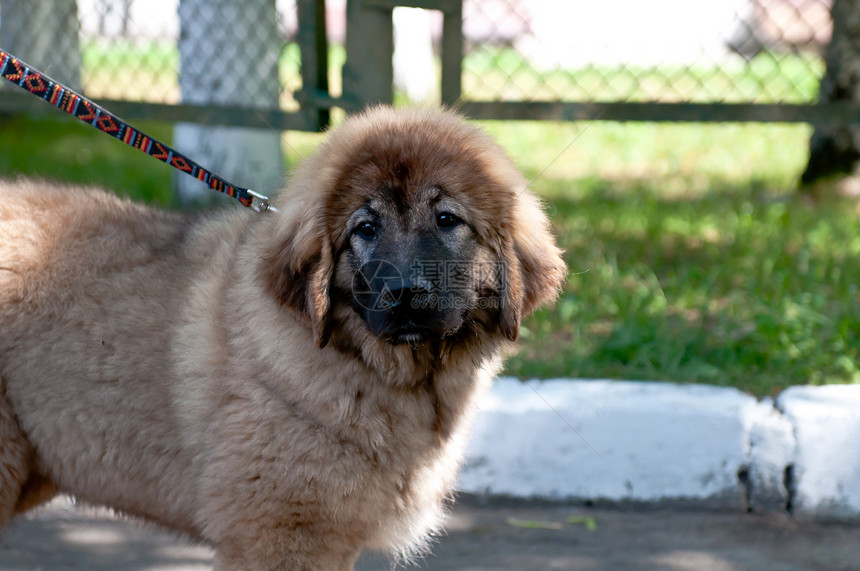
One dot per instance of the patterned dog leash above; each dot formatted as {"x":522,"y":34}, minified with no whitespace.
{"x":73,"y":103}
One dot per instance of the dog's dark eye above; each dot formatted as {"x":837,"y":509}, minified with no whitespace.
{"x":367,"y":230}
{"x":446,"y":220}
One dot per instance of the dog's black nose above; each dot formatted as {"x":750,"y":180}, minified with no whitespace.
{"x":408,"y":297}
{"x":404,"y":306}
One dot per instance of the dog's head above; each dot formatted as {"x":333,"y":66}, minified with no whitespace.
{"x":415,"y":226}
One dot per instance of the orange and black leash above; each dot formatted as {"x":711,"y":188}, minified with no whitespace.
{"x":25,"y":76}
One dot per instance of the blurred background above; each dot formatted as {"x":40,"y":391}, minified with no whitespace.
{"x":758,"y":51}
{"x":697,"y":158}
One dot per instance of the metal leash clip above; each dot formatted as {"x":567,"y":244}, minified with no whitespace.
{"x":260,"y":203}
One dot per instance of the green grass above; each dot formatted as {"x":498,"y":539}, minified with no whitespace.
{"x":691,"y":256}
{"x":738,"y":287}
{"x":136,"y":70}
{"x":67,"y":150}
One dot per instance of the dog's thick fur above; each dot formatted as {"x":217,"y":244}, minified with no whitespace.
{"x":212,"y":375}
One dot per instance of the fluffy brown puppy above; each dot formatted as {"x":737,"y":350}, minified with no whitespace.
{"x":290,"y":387}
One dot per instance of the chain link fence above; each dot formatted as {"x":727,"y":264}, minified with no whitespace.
{"x":753,"y":51}
{"x":714,"y":51}
{"x":134,"y":49}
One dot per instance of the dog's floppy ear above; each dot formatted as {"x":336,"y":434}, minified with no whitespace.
{"x":533,"y":268}
{"x":298,"y":269}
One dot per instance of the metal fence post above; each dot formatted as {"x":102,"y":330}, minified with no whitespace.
{"x":368,"y":74}
{"x":313,"y":46}
{"x":452,"y":51}
{"x":44,"y":33}
{"x":250,"y":156}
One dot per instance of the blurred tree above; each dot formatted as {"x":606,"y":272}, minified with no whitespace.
{"x":44,"y":33}
{"x":834,"y":151}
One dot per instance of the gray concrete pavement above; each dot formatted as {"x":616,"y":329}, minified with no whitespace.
{"x":494,"y":537}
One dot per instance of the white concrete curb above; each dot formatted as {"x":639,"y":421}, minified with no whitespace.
{"x":825,"y":479}
{"x":622,"y":441}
